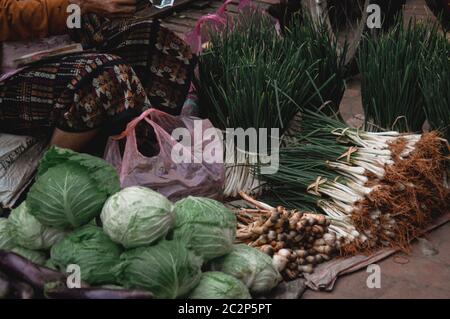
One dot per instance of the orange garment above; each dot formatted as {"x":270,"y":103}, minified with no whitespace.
{"x":28,"y":19}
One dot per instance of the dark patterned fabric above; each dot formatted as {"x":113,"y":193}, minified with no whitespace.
{"x":129,"y":66}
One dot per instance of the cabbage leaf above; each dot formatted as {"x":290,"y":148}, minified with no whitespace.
{"x":206,"y":226}
{"x":70,"y":188}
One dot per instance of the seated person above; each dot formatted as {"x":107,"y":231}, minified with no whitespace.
{"x":128,"y":65}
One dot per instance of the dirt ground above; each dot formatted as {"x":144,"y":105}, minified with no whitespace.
{"x":425,"y":273}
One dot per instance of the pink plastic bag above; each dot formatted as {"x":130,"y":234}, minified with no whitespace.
{"x":198,"y":177}
{"x":218,"y":22}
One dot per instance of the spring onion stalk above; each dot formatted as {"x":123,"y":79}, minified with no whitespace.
{"x":435,"y":86}
{"x":342,"y":172}
{"x":394,"y":96}
{"x":251,"y":77}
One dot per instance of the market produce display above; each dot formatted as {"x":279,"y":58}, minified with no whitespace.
{"x":70,"y":188}
{"x":167,"y":269}
{"x":146,"y":247}
{"x":251,"y":266}
{"x":206,"y":226}
{"x":29,"y":233}
{"x":377,"y":189}
{"x":252,"y":77}
{"x":218,"y":285}
{"x":296,"y":241}
{"x":92,"y":250}
{"x":339,"y":191}
{"x":394,"y":97}
{"x":137,"y":216}
{"x":435,"y":87}
{"x":6,"y":240}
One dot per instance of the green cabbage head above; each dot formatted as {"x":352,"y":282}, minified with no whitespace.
{"x":137,"y":216}
{"x":251,"y":266}
{"x":206,"y":226}
{"x":70,"y":188}
{"x":218,"y":285}
{"x":29,"y":233}
{"x":6,"y":240}
{"x":169,"y":270}
{"x":92,"y":250}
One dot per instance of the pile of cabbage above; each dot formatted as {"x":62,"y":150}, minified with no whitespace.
{"x":76,"y":214}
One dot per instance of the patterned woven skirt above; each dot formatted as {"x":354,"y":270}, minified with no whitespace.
{"x":127,"y":67}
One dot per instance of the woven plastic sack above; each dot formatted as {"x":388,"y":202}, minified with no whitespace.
{"x":200,"y":172}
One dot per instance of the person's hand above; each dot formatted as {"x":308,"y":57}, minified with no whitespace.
{"x":107,"y":8}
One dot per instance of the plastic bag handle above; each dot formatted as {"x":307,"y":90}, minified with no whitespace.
{"x":194,"y":37}
{"x":132,"y":124}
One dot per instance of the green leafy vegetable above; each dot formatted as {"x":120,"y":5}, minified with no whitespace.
{"x":218,"y":285}
{"x":206,"y":226}
{"x":435,"y":85}
{"x":137,"y":216}
{"x":70,"y":188}
{"x":251,"y":266}
{"x":29,"y":233}
{"x":169,"y":270}
{"x":251,"y":77}
{"x":390,"y":67}
{"x":92,"y":250}
{"x":6,"y":240}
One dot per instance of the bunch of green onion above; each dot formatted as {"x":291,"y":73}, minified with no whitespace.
{"x":391,"y":90}
{"x":435,"y":86}
{"x":252,"y":77}
{"x":327,"y":170}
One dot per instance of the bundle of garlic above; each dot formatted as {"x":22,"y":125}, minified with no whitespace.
{"x":297,"y":241}
{"x":377,"y":189}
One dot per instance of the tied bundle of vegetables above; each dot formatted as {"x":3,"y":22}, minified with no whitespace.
{"x":296,"y":241}
{"x":252,"y":78}
{"x":378,"y":189}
